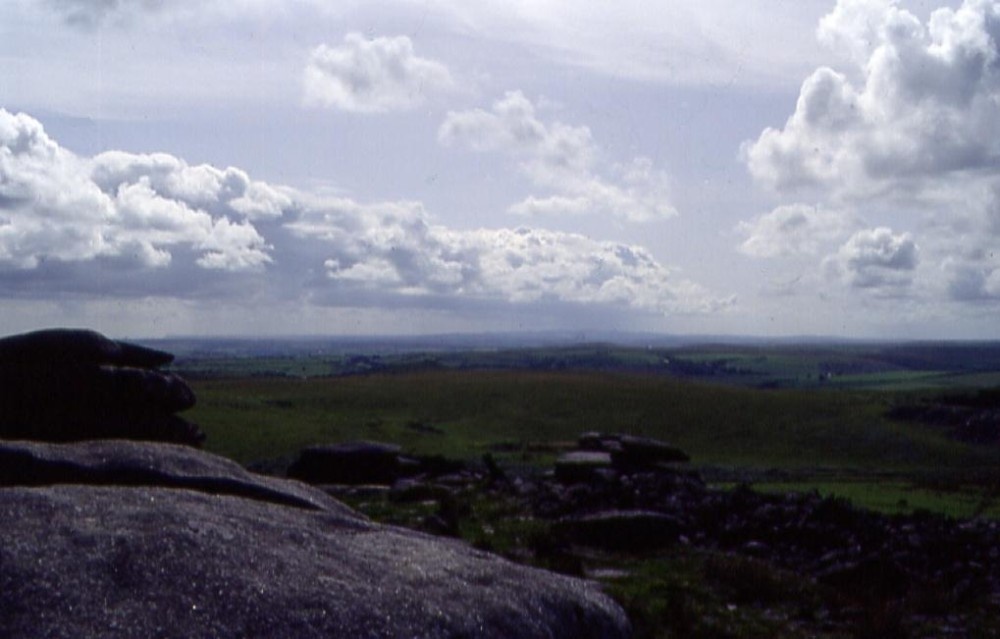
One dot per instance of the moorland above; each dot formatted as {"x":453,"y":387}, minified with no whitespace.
{"x":903,"y":430}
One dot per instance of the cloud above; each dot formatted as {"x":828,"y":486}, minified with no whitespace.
{"x":57,"y":206}
{"x":372,"y":75}
{"x":794,"y":229}
{"x":89,"y":14}
{"x":973,"y":281}
{"x":395,"y":248}
{"x":711,"y":42}
{"x":562,"y":159}
{"x":923,"y":107}
{"x":221,"y":192}
{"x":906,"y":130}
{"x":875,"y":259}
{"x":140,"y":225}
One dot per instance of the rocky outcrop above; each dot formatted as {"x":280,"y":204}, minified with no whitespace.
{"x":129,"y":539}
{"x":107,"y":535}
{"x":70,"y":385}
{"x":600,"y":455}
{"x":859,"y":553}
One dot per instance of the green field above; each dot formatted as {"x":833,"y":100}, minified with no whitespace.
{"x":526,"y":417}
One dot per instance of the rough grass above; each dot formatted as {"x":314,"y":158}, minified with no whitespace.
{"x":698,"y":595}
{"x":524,"y":416}
{"x":901,"y":498}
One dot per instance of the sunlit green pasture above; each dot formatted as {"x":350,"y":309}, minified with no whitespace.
{"x":525,"y":417}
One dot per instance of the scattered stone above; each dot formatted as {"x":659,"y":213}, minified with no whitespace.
{"x":145,"y":551}
{"x":864,"y":556}
{"x":135,"y":464}
{"x":65,"y":385}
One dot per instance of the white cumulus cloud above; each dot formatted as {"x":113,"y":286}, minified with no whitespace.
{"x":562,"y":159}
{"x":55,"y":205}
{"x":924,"y":105}
{"x":396,"y":248}
{"x":372,"y":75}
{"x":794,"y":229}
{"x":876,"y":259}
{"x":905,"y":132}
{"x":134,"y":225}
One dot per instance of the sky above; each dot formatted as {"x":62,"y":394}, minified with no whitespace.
{"x":293,"y":167}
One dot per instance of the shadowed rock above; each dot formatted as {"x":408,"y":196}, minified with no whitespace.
{"x":644,"y":452}
{"x":629,"y":531}
{"x":171,"y":555}
{"x":79,"y":346}
{"x":581,"y":466}
{"x":348,"y":463}
{"x":70,"y":385}
{"x":629,"y":452}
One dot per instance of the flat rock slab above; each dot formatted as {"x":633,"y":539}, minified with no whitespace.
{"x":148,"y":560}
{"x":129,"y":463}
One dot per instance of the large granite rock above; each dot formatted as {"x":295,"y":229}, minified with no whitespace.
{"x":71,"y":385}
{"x":348,"y":463}
{"x":128,"y":539}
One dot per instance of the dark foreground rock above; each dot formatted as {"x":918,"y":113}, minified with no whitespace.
{"x":122,"y":539}
{"x":72,"y":385}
